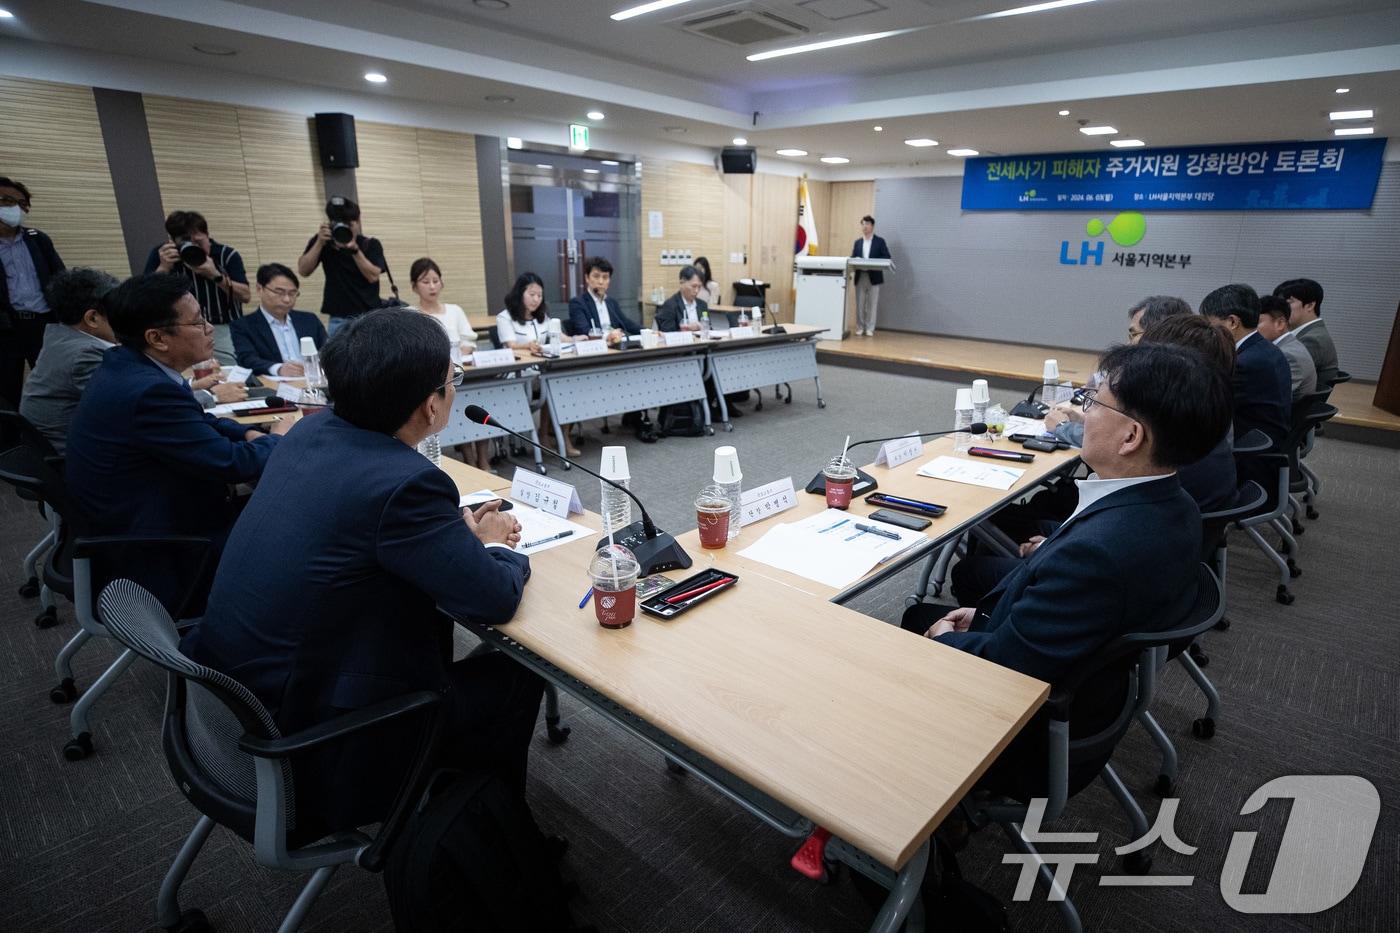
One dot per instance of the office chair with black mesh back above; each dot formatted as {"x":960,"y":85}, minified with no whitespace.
{"x":233,"y":764}
{"x":1074,"y":761}
{"x":23,"y":447}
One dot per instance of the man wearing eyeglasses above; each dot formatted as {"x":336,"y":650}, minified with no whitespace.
{"x":30,"y":261}
{"x":143,"y":456}
{"x":268,"y":341}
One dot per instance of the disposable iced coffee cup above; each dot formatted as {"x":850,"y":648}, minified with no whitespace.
{"x":712,"y":508}
{"x":613,"y":573}
{"x":840,"y":476}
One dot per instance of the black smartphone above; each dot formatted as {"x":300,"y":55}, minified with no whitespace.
{"x":1044,"y":446}
{"x":912,"y":522}
{"x":506,"y":504}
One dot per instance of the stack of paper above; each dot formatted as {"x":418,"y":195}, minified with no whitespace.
{"x":539,"y":530}
{"x":232,"y":408}
{"x":971,"y":472}
{"x":829,"y":548}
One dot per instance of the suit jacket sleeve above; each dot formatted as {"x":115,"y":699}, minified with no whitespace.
{"x":879,"y":249}
{"x":1059,"y":618}
{"x":669,"y":315}
{"x":579,"y":318}
{"x":169,"y":424}
{"x":422,"y":539}
{"x":246,"y":350}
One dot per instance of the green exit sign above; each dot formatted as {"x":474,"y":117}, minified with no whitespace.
{"x":578,"y":136}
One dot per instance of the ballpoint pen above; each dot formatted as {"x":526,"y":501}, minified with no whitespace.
{"x":698,"y":591}
{"x":563,"y":534}
{"x":878,"y":531}
{"x":586,"y":597}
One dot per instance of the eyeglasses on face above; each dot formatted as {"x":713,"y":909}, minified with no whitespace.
{"x":202,"y":324}
{"x":459,"y":376}
{"x":1091,"y":399}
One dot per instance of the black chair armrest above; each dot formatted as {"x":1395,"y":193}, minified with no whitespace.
{"x":339,"y":726}
{"x":1059,"y":704}
{"x":1255,"y":442}
{"x":95,"y":545}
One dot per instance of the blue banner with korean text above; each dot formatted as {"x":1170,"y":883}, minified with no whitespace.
{"x":1333,"y":175}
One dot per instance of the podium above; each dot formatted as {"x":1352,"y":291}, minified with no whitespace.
{"x":822,"y":282}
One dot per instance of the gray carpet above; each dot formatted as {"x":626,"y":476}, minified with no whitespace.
{"x":1308,"y":689}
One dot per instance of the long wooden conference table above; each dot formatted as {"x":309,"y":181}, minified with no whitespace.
{"x":804,"y":712}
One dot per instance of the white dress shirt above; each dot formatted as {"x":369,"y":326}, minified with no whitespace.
{"x":1093,"y":489}
{"x":691,"y":316}
{"x":865,"y":247}
{"x":1302,"y":327}
{"x":601,"y":304}
{"x":286,"y":336}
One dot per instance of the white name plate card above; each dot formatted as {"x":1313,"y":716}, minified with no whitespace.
{"x":545,"y":494}
{"x":763,"y":501}
{"x":503,"y":357}
{"x":679,"y":338}
{"x":591,"y":347}
{"x":237,"y":374}
{"x":289,"y":392}
{"x":893,"y":453}
{"x":739,"y":333}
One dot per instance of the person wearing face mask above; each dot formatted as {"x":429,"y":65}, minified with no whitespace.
{"x":383,"y":557}
{"x":268,"y":341}
{"x":30,"y":261}
{"x":353,"y":263}
{"x":219,"y":281}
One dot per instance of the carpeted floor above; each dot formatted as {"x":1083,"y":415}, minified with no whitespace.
{"x":1308,"y":689}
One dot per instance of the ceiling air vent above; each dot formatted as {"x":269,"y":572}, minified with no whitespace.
{"x":743,"y":27}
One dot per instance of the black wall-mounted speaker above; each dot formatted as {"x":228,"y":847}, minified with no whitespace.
{"x":738,"y":160}
{"x":335,"y":137}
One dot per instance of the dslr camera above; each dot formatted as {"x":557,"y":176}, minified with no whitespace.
{"x":191,"y":253}
{"x":341,"y":211}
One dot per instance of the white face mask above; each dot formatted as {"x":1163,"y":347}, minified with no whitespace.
{"x":11,"y":214}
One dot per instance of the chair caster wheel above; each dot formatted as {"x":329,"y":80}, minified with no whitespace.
{"x":821,"y":403}
{"x":788,"y":400}
{"x":558,"y":734}
{"x":567,"y":466}
{"x":79,"y":748}
{"x":1298,"y":528}
{"x":30,"y":588}
{"x":1294,"y":570}
{"x":1284,"y":596}
{"x":674,"y":767}
{"x":1164,"y":786}
{"x":1203,"y":728}
{"x":1198,"y":655}
{"x":1138,"y":863}
{"x":65,"y":692}
{"x":1312,"y":514}
{"x":540,"y":467}
{"x":191,"y":921}
{"x":1223,"y":625}
{"x":728,"y":427}
{"x":910,"y":601}
{"x":47,"y":619}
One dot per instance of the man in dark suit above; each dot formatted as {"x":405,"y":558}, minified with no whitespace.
{"x":1125,"y":559}
{"x":268,"y":341}
{"x":143,"y":456}
{"x":868,"y":282}
{"x":1304,"y":297}
{"x":327,"y":598}
{"x":1262,"y":383}
{"x":28,"y":261}
{"x":683,"y":310}
{"x":594,"y":309}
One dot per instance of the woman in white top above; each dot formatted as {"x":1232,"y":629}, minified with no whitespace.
{"x":524,"y":325}
{"x":710,"y":292}
{"x":425,"y":278}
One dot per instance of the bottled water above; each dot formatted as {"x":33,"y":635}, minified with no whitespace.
{"x":730,"y":478}
{"x":431,"y":448}
{"x":705,"y":326}
{"x":616,"y":505}
{"x":314,"y":394}
{"x":962,"y":420}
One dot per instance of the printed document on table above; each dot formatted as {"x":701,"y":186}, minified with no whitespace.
{"x":972,"y":472}
{"x":538,"y":529}
{"x":1015,"y":424}
{"x":231,"y":408}
{"x":829,"y":548}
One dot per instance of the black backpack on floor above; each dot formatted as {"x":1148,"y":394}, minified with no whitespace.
{"x":470,"y":858}
{"x":684,"y":419}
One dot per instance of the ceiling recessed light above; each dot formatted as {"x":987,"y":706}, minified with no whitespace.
{"x":590,"y":171}
{"x":828,"y":44}
{"x":1098,"y":130}
{"x":962,"y":153}
{"x":1354,"y":131}
{"x":1343,"y":90}
{"x":492,"y":4}
{"x":879,"y":129}
{"x":203,"y":48}
{"x":1064,"y":113}
{"x":1032,"y":8}
{"x":1351,"y":115}
{"x":835,"y":160}
{"x":596,"y":115}
{"x":740,"y":141}
{"x":6,"y":14}
{"x":499,"y":99}
{"x":374,"y":77}
{"x":644,"y":8}
{"x":608,"y":161}
{"x":921,"y":142}
{"x":673,"y":129}
{"x":791,"y":152}
{"x":514,"y":142}
{"x":543,"y":165}
{"x":1126,"y":143}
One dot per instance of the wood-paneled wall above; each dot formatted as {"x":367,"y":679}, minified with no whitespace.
{"x":52,"y":143}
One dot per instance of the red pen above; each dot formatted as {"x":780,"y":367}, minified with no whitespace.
{"x":672,"y":600}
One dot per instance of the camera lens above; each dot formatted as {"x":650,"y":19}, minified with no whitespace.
{"x":342,"y":234}
{"x":192,"y":254}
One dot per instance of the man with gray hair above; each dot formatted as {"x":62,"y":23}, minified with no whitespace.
{"x":684,"y":309}
{"x":1150,"y":310}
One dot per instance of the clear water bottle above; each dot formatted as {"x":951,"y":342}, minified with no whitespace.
{"x":616,"y":504}
{"x":705,"y":326}
{"x":962,"y":420}
{"x":730,"y":478}
{"x":431,"y":448}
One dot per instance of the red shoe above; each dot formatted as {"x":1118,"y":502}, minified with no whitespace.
{"x":810,"y":859}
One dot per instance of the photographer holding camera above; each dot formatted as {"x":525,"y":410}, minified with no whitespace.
{"x":215,"y":271}
{"x":353,"y":263}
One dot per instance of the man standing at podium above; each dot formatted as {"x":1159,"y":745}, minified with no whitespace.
{"x":868,"y":281}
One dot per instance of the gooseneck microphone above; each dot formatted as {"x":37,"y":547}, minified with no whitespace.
{"x":864,"y":481}
{"x":656,"y":550}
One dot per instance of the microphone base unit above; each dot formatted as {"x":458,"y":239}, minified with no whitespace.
{"x":775,"y":329}
{"x":864,"y":483}
{"x":654,"y":554}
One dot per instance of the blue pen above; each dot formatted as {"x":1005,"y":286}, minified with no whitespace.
{"x":830,"y":527}
{"x":922,"y":505}
{"x":586,"y":597}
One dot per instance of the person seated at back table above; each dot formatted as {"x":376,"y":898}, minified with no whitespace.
{"x":683,"y":310}
{"x":1304,"y":297}
{"x":524,"y":324}
{"x":143,"y":456}
{"x":1274,"y":327}
{"x":268,"y":341}
{"x":1261,"y":383}
{"x":73,"y":346}
{"x":1125,"y":559}
{"x":709,"y":289}
{"x":343,"y":612}
{"x":594,"y":310}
